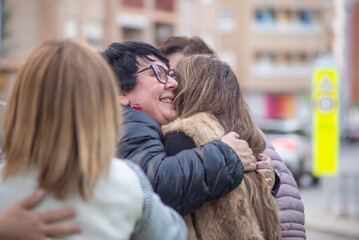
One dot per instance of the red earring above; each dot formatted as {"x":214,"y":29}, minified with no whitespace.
{"x":137,"y":106}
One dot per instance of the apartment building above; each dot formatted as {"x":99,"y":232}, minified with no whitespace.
{"x":146,"y":20}
{"x":271,"y":44}
{"x":27,"y":23}
{"x":351,"y":70}
{"x":353,"y":51}
{"x":97,"y":22}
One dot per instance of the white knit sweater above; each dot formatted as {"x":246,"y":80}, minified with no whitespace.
{"x":123,"y":204}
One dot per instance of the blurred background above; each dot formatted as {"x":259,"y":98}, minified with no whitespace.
{"x":273,"y":46}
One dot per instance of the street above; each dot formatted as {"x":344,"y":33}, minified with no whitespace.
{"x":336,"y":196}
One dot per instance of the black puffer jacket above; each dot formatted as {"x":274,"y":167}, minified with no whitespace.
{"x":184,"y":181}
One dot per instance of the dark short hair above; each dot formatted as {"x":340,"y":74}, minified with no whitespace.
{"x":185,"y":45}
{"x":122,"y":59}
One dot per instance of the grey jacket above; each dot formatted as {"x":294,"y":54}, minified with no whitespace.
{"x":158,"y":221}
{"x":289,"y":200}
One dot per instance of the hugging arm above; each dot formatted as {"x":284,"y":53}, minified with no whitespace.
{"x":19,"y":222}
{"x":265,"y":166}
{"x":183,"y":181}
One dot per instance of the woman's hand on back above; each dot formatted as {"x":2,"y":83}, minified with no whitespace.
{"x":19,"y":222}
{"x":264,"y":165}
{"x":242,"y":149}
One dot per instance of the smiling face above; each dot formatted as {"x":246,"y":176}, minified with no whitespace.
{"x":155,"y":98}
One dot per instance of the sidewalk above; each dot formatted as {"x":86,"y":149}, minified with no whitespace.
{"x":332,"y":207}
{"x":326,"y":220}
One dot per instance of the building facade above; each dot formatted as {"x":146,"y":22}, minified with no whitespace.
{"x":351,"y":70}
{"x":97,"y":22}
{"x":271,"y":44}
{"x":31,"y":22}
{"x":146,"y":20}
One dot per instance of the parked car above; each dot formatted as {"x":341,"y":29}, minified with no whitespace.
{"x":295,"y":151}
{"x":351,"y":132}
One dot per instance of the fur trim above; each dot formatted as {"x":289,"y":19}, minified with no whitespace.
{"x":229,"y":217}
{"x":201,"y":127}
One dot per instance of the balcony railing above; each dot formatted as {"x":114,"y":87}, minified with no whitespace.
{"x":272,"y":70}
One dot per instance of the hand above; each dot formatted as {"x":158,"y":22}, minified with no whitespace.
{"x":242,"y":149}
{"x":18,"y":222}
{"x":264,"y":166}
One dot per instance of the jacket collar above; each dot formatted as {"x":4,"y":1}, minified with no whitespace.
{"x":133,"y":115}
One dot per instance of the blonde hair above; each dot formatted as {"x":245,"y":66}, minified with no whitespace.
{"x":62,"y":117}
{"x":207,"y":84}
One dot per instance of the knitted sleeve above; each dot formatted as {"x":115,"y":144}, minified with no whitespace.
{"x":158,"y":221}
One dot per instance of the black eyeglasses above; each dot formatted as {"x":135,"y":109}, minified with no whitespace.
{"x":160,"y":73}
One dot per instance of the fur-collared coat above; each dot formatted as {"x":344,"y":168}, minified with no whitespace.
{"x":182,"y":180}
{"x":229,"y":217}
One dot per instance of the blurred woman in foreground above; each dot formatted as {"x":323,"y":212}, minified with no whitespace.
{"x":61,"y":126}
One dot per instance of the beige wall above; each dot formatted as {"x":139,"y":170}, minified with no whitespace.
{"x":9,"y":75}
{"x":35,"y":21}
{"x":273,"y":62}
{"x":24,"y":28}
{"x":244,"y":41}
{"x":144,"y":21}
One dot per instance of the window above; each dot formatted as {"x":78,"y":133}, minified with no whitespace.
{"x":286,"y":21}
{"x":132,"y":34}
{"x":166,"y":5}
{"x":226,"y":19}
{"x":305,"y":17}
{"x":281,"y":64}
{"x":71,"y":28}
{"x":93,"y":32}
{"x":135,"y":21}
{"x":133,"y":3}
{"x":265,"y":16}
{"x":163,"y":31}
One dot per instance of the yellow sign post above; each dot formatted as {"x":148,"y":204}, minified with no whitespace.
{"x":325,"y":96}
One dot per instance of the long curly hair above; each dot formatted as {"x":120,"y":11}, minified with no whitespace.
{"x":207,"y":84}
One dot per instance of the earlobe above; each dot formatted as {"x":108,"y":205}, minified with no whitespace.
{"x":124,"y":101}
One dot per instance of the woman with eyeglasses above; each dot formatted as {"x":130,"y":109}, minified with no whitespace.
{"x":184,"y":181}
